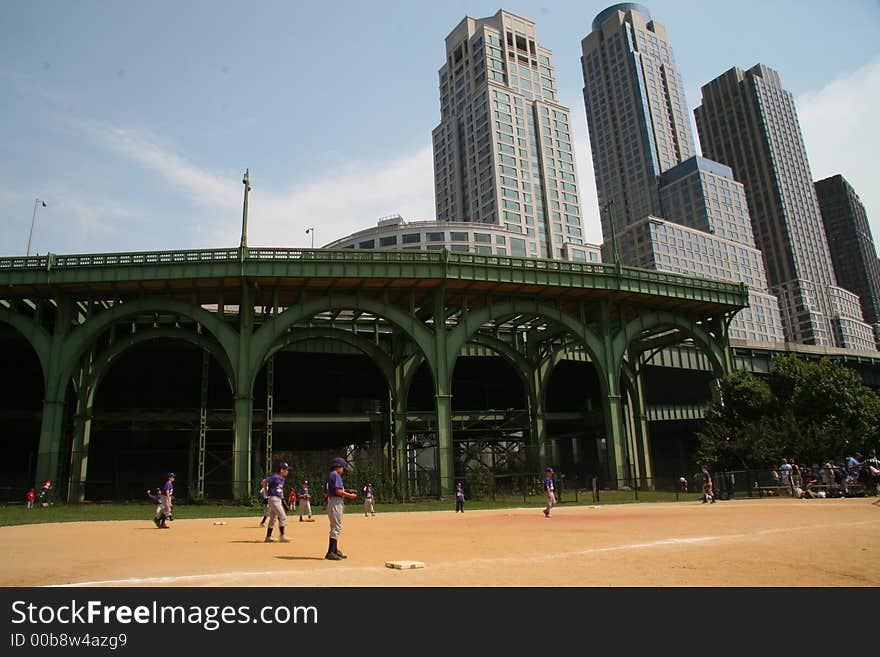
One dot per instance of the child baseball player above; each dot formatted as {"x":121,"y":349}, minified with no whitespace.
{"x":30,"y":497}
{"x":369,"y":498}
{"x":264,"y":495}
{"x":305,"y":502}
{"x":336,"y":494}
{"x":167,"y":496}
{"x":549,"y":492}
{"x":459,"y":498}
{"x":291,"y":500}
{"x":159,"y":517}
{"x":708,"y":487}
{"x":274,"y":486}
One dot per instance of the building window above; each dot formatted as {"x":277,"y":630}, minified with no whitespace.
{"x":367,"y":244}
{"x":411,"y":238}
{"x":435,"y":237}
{"x":482,"y":238}
{"x":458,"y":237}
{"x":391,"y":240}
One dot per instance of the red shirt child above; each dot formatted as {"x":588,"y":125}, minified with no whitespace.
{"x":31,"y":496}
{"x":291,"y":498}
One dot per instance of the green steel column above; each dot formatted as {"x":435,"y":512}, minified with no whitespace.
{"x":398,"y":398}
{"x":646,"y":467}
{"x":612,"y":413}
{"x":82,"y":430}
{"x":611,"y":404}
{"x":537,"y":422}
{"x":443,"y":397}
{"x":241,"y":451}
{"x":244,"y":403}
{"x":49,"y":451}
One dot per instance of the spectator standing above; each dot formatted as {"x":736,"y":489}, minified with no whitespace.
{"x":30,"y":497}
{"x":785,"y":474}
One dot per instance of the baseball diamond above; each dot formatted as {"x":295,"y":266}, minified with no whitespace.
{"x":760,"y":542}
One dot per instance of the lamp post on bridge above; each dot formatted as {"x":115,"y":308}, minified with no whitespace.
{"x":33,"y":221}
{"x":312,"y":231}
{"x":247,"y":188}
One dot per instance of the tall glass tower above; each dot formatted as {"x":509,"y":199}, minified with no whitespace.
{"x":749,"y":121}
{"x":503,"y":151}
{"x":663,"y":206}
{"x":853,"y":253}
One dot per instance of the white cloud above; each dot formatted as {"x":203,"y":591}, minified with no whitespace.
{"x":840,"y":130}
{"x":204,"y":188}
{"x":343,"y":202}
{"x":336,"y":204}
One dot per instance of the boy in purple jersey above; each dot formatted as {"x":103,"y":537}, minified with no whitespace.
{"x":167,"y":495}
{"x":336,"y":494}
{"x":708,"y":486}
{"x":459,"y":498}
{"x":305,"y":501}
{"x":368,"y":500}
{"x":274,"y":487}
{"x":157,"y":498}
{"x":549,"y":492}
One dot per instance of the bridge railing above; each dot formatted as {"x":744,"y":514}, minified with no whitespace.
{"x":53,"y":261}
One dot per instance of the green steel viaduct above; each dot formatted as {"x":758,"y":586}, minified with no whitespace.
{"x":406,"y":311}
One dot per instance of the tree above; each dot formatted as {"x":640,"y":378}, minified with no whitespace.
{"x":806,"y":411}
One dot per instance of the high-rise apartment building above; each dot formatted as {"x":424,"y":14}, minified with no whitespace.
{"x":503,"y":151}
{"x":749,"y":122}
{"x":636,"y":110}
{"x":853,"y":253}
{"x":668,"y":208}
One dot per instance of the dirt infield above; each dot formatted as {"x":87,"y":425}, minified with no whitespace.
{"x":780,"y":542}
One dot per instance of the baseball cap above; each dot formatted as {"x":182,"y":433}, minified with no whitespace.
{"x":341,"y":462}
{"x":171,"y":474}
{"x":283,"y":466}
{"x":305,"y":481}
{"x":550,"y":470}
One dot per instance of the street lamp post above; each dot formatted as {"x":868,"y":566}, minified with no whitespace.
{"x":312,"y":231}
{"x":247,"y":187}
{"x":33,"y":221}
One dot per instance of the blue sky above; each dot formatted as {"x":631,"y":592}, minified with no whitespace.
{"x":135,"y":121}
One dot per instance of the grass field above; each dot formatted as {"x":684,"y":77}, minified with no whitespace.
{"x":20,"y":515}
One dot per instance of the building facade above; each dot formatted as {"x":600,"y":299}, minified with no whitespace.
{"x":748,"y":121}
{"x":853,"y":253}
{"x":636,"y":111}
{"x":503,"y":150}
{"x":666,"y":207}
{"x":457,"y":236}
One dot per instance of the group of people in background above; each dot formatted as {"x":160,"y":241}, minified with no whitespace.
{"x":857,"y":474}
{"x":41,"y":498}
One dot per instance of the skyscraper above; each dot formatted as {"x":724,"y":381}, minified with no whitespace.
{"x":636,"y":110}
{"x":749,"y":122}
{"x":853,"y":253}
{"x":503,"y":151}
{"x":666,"y":207}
